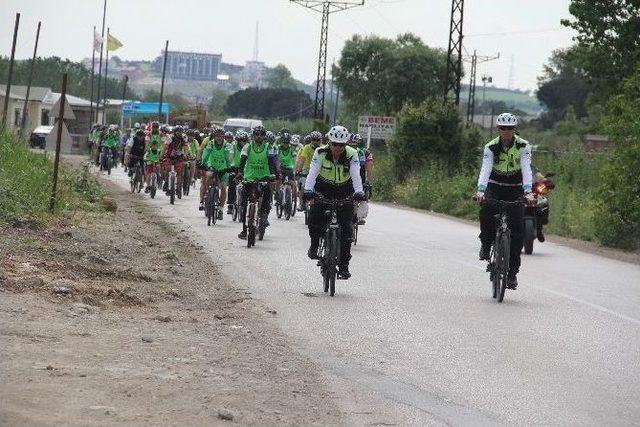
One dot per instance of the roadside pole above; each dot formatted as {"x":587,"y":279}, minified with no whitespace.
{"x":23,"y":123}
{"x":369,"y":137}
{"x":124,"y":91}
{"x":8,"y":90}
{"x":63,"y":99}
{"x":93,"y":67}
{"x":164,"y":69}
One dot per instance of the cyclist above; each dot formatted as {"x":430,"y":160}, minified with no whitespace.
{"x":256,"y":165}
{"x":286,"y":155}
{"x":110,"y":141}
{"x":334,"y":174}
{"x":228,"y":137}
{"x":366,"y":173}
{"x":173,"y":154}
{"x":215,"y":156}
{"x":303,"y":161}
{"x":152,"y":155}
{"x":505,"y":175}
{"x":135,"y":150}
{"x":241,"y":139}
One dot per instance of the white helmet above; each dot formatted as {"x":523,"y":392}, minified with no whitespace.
{"x":338,"y":134}
{"x":242,"y":135}
{"x":506,"y":119}
{"x":136,"y":125}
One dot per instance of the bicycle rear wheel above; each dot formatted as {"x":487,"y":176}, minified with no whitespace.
{"x":251,"y":227}
{"x":287,"y":203}
{"x":172,"y":189}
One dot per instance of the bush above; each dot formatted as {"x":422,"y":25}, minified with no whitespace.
{"x":26,"y":180}
{"x":618,"y":199}
{"x":431,"y":132}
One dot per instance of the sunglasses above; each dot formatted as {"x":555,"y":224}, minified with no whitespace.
{"x":337,"y":144}
{"x":259,"y":133}
{"x":505,"y":127}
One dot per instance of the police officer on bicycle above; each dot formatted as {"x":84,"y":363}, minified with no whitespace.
{"x":334,"y":174}
{"x":505,"y":175}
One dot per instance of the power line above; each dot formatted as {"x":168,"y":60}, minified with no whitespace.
{"x":326,"y":7}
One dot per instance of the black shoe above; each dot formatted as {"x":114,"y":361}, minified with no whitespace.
{"x":512,"y":282}
{"x":229,"y":209}
{"x":243,"y":234}
{"x":361,"y":222}
{"x":313,"y":252}
{"x":147,"y":189}
{"x":130,"y":173}
{"x":540,"y":236}
{"x":220,"y":214}
{"x":343,"y":272}
{"x":165,"y":187}
{"x":201,"y":207}
{"x":485,"y":253}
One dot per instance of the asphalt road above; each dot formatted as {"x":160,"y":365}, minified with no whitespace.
{"x":416,"y":326}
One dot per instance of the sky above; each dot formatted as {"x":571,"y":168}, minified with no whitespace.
{"x":523,"y":32}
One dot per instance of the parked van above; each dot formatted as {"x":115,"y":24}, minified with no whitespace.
{"x":236,"y":124}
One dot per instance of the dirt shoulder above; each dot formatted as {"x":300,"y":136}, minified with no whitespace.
{"x":119,"y":319}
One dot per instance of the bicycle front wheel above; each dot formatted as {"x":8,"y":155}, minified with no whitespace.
{"x":504,"y":242}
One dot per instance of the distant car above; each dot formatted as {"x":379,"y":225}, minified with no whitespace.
{"x":234,"y":125}
{"x":38,"y":136}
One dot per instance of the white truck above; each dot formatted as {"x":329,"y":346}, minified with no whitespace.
{"x":234,"y":125}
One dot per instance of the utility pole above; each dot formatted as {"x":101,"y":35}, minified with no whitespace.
{"x":93,"y":67}
{"x":8,"y":89}
{"x":124,"y":92}
{"x":454,"y":52}
{"x":164,"y":70}
{"x":471,"y":106}
{"x":485,"y":79}
{"x":23,"y":123}
{"x":104,"y":16}
{"x":325,"y":7}
{"x":106,"y":80}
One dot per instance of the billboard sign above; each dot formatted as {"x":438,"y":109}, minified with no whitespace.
{"x":381,"y":127}
{"x":143,"y":108}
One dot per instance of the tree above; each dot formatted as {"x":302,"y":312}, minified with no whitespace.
{"x":269,"y":103}
{"x":176,"y":101}
{"x":562,"y":85}
{"x":280,"y":78}
{"x":378,"y":75}
{"x":217,"y":103}
{"x":608,"y":41}
{"x":617,"y":218}
{"x":48,"y":72}
{"x":431,"y":132}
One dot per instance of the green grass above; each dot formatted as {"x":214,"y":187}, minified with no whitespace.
{"x":436,"y":188}
{"x":26,"y":181}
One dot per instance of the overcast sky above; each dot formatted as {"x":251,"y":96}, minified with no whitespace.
{"x":524,"y":32}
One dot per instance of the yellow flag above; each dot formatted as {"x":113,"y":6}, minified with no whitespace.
{"x":113,"y":43}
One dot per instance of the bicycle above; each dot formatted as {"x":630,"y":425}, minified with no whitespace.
{"x":106,"y":159}
{"x":235,"y":214}
{"x":255,"y":222}
{"x":285,"y":203}
{"x":304,"y":205}
{"x":154,"y":181}
{"x":186,"y":176}
{"x":211,"y":198}
{"x":498,"y":266}
{"x":137,"y":180}
{"x":171,"y":184}
{"x":329,"y":248}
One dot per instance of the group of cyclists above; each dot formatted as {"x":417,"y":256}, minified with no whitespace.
{"x":334,"y":165}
